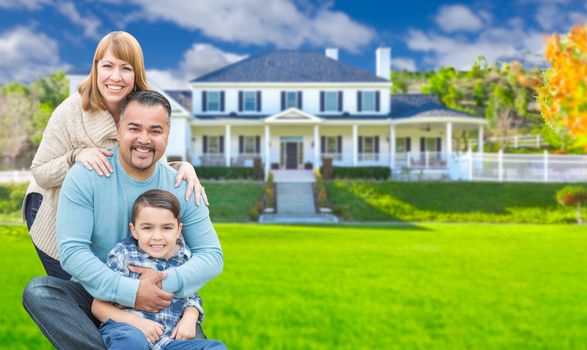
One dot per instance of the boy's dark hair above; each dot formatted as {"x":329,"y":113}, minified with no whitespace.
{"x":156,"y":199}
{"x":147,"y":98}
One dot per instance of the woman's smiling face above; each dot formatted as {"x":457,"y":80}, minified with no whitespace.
{"x":116,"y":79}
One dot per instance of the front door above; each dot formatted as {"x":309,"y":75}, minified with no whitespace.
{"x":291,"y":155}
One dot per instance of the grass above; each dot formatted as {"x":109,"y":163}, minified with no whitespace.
{"x":447,"y":202}
{"x":432,"y":286}
{"x":231,"y":201}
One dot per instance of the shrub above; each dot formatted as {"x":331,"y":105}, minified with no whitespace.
{"x":11,"y":196}
{"x":255,"y":211}
{"x":226,"y":173}
{"x":573,"y":196}
{"x":327,"y":168}
{"x":257,"y":169}
{"x":365,"y":172}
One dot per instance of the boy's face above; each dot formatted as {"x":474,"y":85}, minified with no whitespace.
{"x":156,"y":230}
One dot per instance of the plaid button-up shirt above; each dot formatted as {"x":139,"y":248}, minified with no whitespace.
{"x":127,"y":252}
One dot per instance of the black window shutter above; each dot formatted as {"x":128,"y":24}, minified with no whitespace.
{"x":321,"y":101}
{"x":205,"y":144}
{"x":221,"y":144}
{"x":221,"y":101}
{"x":257,"y":144}
{"x":300,"y":103}
{"x":340,"y":101}
{"x":204,"y":104}
{"x":339,"y":144}
{"x":360,"y":144}
{"x":359,"y":101}
{"x":240,"y":144}
{"x":377,"y":101}
{"x":240,"y":101}
{"x":422,"y":144}
{"x":408,"y":144}
{"x":258,"y":101}
{"x":377,"y":144}
{"x":323,"y":144}
{"x":438,"y":144}
{"x":283,"y":100}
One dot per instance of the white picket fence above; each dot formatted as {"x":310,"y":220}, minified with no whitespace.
{"x":502,"y":167}
{"x":15,"y":176}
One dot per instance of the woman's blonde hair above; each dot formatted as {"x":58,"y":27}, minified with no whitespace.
{"x":124,"y":47}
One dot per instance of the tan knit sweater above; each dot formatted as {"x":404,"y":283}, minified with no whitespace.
{"x":70,"y":127}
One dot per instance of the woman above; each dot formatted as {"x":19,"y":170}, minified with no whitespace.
{"x":82,"y":129}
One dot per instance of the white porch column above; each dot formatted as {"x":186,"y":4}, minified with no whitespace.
{"x":267,"y":152}
{"x":316,"y":147}
{"x":227,"y":145}
{"x":355,"y":144}
{"x":448,"y":141}
{"x":392,"y":147}
{"x":480,"y":141}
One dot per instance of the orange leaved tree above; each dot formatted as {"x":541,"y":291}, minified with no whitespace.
{"x":562,"y":96}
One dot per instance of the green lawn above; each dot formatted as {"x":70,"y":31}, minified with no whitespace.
{"x":433,"y":286}
{"x":447,"y":202}
{"x":232,"y":201}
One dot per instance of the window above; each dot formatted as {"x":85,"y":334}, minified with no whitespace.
{"x":291,"y":99}
{"x":368,"y":101}
{"x":369,"y":147}
{"x":250,"y":101}
{"x":331,"y":144}
{"x":402,"y":144}
{"x":249,"y":145}
{"x":213,"y":101}
{"x":214,"y":145}
{"x":331,"y":101}
{"x":430,"y":144}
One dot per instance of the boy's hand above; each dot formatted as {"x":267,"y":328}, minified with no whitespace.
{"x":151,"y":329}
{"x":186,"y":327}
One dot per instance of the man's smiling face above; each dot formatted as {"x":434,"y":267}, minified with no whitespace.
{"x":142,"y":138}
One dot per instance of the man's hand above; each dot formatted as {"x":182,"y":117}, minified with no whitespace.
{"x":150,"y":296}
{"x":186,"y":327}
{"x":151,"y":329}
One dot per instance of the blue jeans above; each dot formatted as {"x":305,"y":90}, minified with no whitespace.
{"x":123,"y":336}
{"x":62,"y":310}
{"x":31,"y":208}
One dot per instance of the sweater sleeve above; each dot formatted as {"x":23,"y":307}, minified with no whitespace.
{"x":75,"y":221}
{"x":50,"y":166}
{"x":207,"y":259}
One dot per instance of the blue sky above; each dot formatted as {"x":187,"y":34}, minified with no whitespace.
{"x":183,"y":39}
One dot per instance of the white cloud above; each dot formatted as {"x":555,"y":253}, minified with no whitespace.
{"x":89,"y":23}
{"x":27,"y":55}
{"x":197,"y":61}
{"x":403,"y":64}
{"x":23,"y":4}
{"x":280,"y":22}
{"x":454,"y":18}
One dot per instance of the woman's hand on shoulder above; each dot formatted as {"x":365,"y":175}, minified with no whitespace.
{"x":94,"y":158}
{"x":186,"y":172}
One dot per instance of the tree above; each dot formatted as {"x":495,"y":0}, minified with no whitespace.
{"x":573,"y":196}
{"x":562,"y":97}
{"x":50,"y":92}
{"x":16,"y":111}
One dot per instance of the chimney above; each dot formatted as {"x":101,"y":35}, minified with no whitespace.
{"x":383,"y":62}
{"x":331,"y":53}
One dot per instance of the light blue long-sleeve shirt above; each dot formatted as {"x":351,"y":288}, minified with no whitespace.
{"x":94,"y":214}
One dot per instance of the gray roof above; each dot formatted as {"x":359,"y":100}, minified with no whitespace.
{"x":289,"y":66}
{"x":183,"y":97}
{"x":421,"y":105}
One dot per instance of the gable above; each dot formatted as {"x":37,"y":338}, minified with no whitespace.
{"x":292,"y":115}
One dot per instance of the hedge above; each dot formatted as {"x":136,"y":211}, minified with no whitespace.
{"x":226,"y":173}
{"x":361,"y":172}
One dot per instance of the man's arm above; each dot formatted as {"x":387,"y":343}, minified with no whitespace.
{"x":75,"y":222}
{"x":206,"y":261}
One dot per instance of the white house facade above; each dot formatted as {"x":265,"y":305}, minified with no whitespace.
{"x":293,"y":109}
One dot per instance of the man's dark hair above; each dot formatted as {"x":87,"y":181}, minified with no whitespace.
{"x":156,"y":199}
{"x":147,"y":98}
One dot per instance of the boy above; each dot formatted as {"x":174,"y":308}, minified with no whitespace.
{"x":155,"y":244}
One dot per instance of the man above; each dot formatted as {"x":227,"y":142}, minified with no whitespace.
{"x":93,"y":215}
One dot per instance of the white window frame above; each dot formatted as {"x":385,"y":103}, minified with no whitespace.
{"x":331,"y":141}
{"x":210,"y":145}
{"x":287,"y":99}
{"x":368,"y":97}
{"x":249,"y":145}
{"x":331,"y":101}
{"x":210,"y":103}
{"x":251,"y":96}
